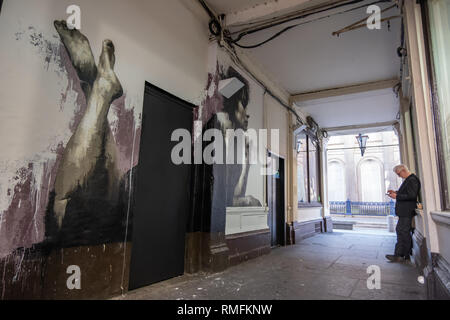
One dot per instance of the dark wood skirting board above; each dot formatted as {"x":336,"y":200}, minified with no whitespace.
{"x":433,"y":267}
{"x":247,"y":245}
{"x":193,"y":252}
{"x":41,"y":275}
{"x":420,"y":254}
{"x":290,"y":234}
{"x":215,"y":252}
{"x":306,"y":229}
{"x":438,"y":280}
{"x":205,"y":251}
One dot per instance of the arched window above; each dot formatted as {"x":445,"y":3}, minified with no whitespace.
{"x":336,"y":181}
{"x":371,"y":181}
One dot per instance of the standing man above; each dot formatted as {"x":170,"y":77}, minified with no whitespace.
{"x":405,"y":209}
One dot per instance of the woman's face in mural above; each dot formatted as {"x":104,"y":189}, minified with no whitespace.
{"x":242,"y":116}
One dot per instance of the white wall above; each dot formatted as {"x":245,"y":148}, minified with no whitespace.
{"x":277,"y":118}
{"x":307,"y":214}
{"x":159,"y":41}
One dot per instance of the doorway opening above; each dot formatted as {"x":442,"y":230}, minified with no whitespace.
{"x":275,"y":199}
{"x":163,"y":192}
{"x":357,"y":184}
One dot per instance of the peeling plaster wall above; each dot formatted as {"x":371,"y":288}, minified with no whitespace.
{"x":41,"y":103}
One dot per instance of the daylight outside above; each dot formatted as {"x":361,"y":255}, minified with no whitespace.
{"x":357,"y":185}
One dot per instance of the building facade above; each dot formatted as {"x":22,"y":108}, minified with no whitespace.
{"x":362,"y":178}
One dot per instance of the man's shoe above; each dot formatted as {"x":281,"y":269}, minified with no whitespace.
{"x":394,"y":258}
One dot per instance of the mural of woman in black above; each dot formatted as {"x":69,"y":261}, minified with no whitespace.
{"x":234,"y":116}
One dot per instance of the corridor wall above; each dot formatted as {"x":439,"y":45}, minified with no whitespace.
{"x":50,"y":134}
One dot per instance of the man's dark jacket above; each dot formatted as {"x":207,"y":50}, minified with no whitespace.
{"x":407,"y":197}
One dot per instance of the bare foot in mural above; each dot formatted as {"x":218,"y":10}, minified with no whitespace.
{"x":107,"y":81}
{"x":92,"y":143}
{"x":79,"y":51}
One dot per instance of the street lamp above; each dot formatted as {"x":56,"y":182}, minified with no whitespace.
{"x":362,"y":141}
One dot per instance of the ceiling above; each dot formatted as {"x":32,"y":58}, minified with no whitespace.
{"x":232,"y":6}
{"x":238,"y":6}
{"x":378,"y":106}
{"x":309,"y":58}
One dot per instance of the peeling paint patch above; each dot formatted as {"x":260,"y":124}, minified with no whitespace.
{"x":126,"y":131}
{"x":213,"y":102}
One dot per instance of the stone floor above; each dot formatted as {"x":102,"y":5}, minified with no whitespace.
{"x":362,"y":219}
{"x":326,"y":266}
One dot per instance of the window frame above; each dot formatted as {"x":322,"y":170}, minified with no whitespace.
{"x":442,"y":171}
{"x":311,"y":138}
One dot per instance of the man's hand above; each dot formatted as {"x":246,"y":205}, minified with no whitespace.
{"x":392,"y":194}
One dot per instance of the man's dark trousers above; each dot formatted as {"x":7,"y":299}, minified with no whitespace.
{"x":404,"y":238}
{"x":405,"y":209}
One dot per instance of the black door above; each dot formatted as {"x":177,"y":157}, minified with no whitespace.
{"x":275,"y":193}
{"x":162,"y":194}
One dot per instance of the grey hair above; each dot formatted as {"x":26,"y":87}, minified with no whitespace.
{"x":400,"y":167}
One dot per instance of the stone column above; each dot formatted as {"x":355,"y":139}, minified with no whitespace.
{"x":324,"y":177}
{"x":350,"y":169}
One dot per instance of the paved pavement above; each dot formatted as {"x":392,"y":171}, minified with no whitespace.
{"x":362,"y":219}
{"x":326,"y":266}
{"x":367,"y":224}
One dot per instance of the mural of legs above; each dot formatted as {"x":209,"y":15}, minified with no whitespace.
{"x":92,"y":143}
{"x":80,"y":53}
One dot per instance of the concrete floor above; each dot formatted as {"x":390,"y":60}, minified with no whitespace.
{"x":368,"y":224}
{"x":363,"y":219}
{"x":326,"y":266}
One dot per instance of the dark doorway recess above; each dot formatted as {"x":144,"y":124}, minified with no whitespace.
{"x":162,"y":195}
{"x":275,"y":198}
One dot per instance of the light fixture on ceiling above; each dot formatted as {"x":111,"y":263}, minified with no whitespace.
{"x":362,"y":141}
{"x":228,"y":87}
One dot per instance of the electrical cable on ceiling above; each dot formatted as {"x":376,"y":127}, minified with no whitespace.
{"x":228,"y":43}
{"x":298,"y":24}
{"x":207,"y":9}
{"x":238,"y":61}
{"x":302,"y":16}
{"x":284,"y":17}
{"x":401,"y":51}
{"x":234,"y":56}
